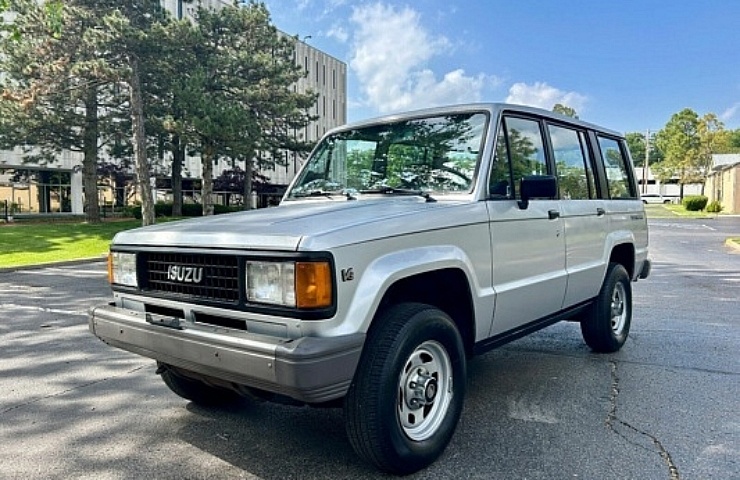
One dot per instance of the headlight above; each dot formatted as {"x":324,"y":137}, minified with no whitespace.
{"x":122,"y":268}
{"x":290,"y":284}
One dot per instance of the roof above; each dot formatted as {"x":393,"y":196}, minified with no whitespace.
{"x":493,"y":108}
{"x":724,"y":159}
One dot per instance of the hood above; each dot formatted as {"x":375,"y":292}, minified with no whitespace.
{"x":294,"y":225}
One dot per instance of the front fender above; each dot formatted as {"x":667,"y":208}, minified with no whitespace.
{"x":384,"y":271}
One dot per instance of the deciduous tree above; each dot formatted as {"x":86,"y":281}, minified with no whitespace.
{"x":565,"y":110}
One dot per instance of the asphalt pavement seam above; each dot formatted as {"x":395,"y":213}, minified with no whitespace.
{"x":76,"y":313}
{"x":612,"y":419}
{"x":56,"y":394}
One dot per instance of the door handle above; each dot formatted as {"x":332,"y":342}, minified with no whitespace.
{"x":600,"y":211}
{"x":553,"y":214}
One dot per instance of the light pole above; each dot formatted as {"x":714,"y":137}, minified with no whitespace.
{"x":646,"y":163}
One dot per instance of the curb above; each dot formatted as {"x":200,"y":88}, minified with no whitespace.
{"x":732,"y":244}
{"x":63,"y":263}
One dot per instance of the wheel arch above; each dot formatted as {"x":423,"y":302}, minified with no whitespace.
{"x":624,"y":254}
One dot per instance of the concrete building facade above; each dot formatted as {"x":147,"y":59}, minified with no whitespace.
{"x":649,"y":184}
{"x":723,"y":184}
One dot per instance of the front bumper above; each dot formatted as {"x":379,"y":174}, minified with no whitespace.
{"x":308,"y":369}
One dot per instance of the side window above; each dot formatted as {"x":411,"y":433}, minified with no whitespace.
{"x":499,"y":184}
{"x":575,"y":176}
{"x":617,"y":171}
{"x":520,"y":152}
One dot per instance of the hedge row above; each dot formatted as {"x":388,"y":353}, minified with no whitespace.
{"x":188,"y":210}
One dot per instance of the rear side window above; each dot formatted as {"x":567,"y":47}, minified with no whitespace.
{"x":575,"y":176}
{"x":616,"y":167}
{"x":519,"y":152}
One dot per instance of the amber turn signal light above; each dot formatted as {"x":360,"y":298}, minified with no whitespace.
{"x":313,"y":284}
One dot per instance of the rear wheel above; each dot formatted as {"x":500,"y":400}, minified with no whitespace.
{"x":407,"y":395}
{"x":194,"y":390}
{"x":607,"y":323}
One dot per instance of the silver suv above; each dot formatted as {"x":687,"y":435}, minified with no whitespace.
{"x":405,"y":245}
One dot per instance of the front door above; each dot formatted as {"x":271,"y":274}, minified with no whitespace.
{"x":528,"y":242}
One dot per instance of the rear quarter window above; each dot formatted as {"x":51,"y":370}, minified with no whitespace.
{"x":616,"y":167}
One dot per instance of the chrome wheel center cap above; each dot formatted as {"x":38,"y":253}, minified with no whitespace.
{"x":430,"y":392}
{"x":421,"y":389}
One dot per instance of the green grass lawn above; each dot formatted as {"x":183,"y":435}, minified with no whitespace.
{"x":671,"y":210}
{"x":40,"y":243}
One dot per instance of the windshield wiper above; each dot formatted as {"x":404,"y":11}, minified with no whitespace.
{"x":400,"y":191}
{"x":314,"y":193}
{"x":324,"y":193}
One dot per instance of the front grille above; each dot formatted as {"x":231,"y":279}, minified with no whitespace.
{"x":197,"y":276}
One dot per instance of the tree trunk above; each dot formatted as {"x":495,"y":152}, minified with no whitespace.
{"x":206,"y":159}
{"x":90,"y":157}
{"x":139,"y":137}
{"x":178,"y":159}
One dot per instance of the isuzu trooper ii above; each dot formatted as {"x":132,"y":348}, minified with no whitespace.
{"x":404,"y":246}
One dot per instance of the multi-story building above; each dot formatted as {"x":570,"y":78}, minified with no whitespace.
{"x":27,"y":187}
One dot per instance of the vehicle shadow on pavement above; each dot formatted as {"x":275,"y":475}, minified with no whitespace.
{"x":513,"y":412}
{"x":274,"y":441}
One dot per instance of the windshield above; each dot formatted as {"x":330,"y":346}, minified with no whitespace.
{"x":435,"y":154}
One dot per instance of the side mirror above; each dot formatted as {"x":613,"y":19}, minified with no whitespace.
{"x":537,"y":186}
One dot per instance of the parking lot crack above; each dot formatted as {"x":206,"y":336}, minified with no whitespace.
{"x":613,"y":422}
{"x":56,"y":394}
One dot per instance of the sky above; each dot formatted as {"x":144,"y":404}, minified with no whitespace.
{"x":627,"y":65}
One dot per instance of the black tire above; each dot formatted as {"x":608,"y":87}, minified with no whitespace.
{"x":195,"y":390}
{"x":606,"y":325}
{"x":404,"y":403}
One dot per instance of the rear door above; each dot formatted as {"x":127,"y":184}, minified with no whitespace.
{"x":583,"y":212}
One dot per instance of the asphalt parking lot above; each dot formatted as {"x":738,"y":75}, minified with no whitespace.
{"x":543,"y":407}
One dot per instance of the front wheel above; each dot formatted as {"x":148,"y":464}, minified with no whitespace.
{"x":407,"y":395}
{"x":607,"y":323}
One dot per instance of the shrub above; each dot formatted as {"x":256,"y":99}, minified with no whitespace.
{"x":714,"y":207}
{"x":188,"y":210}
{"x":695,"y":203}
